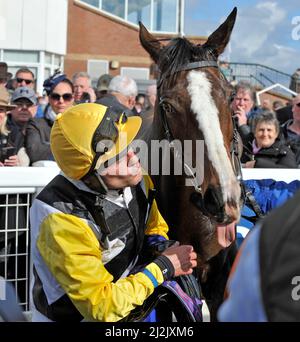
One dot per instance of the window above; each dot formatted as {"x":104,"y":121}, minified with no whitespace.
{"x":92,"y":2}
{"x":165,"y":15}
{"x":139,"y":10}
{"x":95,"y":69}
{"x":135,"y":73}
{"x":116,"y":7}
{"x":21,"y":56}
{"x":57,"y":61}
{"x":48,"y":58}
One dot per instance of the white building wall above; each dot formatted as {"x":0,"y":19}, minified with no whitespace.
{"x":39,"y":25}
{"x":33,"y":25}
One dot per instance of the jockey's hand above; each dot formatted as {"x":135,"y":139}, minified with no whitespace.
{"x":182,"y":257}
{"x":125,"y":172}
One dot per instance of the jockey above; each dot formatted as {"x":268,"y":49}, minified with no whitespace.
{"x":90,"y":223}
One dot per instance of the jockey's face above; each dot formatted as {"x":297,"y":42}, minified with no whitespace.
{"x":125,"y":172}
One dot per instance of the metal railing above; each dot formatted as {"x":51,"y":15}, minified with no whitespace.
{"x":18,"y":186}
{"x":260,"y":76}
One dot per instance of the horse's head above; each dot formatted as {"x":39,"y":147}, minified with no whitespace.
{"x":194,"y":104}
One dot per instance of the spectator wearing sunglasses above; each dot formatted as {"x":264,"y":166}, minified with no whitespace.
{"x":60,"y":93}
{"x":24,"y":78}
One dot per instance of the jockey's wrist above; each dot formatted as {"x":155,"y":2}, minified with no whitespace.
{"x":165,"y":266}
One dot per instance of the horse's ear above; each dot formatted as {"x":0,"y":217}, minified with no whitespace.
{"x":150,"y":43}
{"x":218,"y":40}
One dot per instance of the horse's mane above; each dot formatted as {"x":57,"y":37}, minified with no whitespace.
{"x":179,"y":52}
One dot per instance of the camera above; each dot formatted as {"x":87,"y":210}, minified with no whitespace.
{"x":6,"y":152}
{"x":85,"y":98}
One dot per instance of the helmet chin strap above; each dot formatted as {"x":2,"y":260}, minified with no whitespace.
{"x":93,"y":179}
{"x":95,"y":182}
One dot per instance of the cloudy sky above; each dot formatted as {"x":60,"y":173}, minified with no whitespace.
{"x":266,"y":31}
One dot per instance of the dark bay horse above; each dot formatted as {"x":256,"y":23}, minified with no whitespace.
{"x":193,"y":104}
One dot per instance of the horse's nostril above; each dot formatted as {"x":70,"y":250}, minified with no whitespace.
{"x":214,"y":204}
{"x":220,"y":218}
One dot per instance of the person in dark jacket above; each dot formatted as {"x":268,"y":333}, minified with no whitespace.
{"x":265,"y":147}
{"x":122,"y":91}
{"x":264,"y":281}
{"x":12,"y":152}
{"x":60,"y":92}
{"x":291,"y":128}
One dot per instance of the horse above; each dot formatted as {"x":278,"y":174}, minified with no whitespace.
{"x":193,"y":103}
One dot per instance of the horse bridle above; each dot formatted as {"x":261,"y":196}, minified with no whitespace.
{"x":197,"y":197}
{"x":189,"y":66}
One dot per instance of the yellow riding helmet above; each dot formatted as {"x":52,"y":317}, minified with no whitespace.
{"x":89,"y":134}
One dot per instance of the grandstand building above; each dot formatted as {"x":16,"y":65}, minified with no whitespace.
{"x":97,"y":36}
{"x":100,"y":37}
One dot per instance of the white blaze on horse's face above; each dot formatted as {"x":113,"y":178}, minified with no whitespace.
{"x":207,"y":114}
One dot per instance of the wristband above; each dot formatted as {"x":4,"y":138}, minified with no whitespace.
{"x":165,"y":266}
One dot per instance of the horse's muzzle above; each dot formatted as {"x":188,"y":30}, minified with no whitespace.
{"x":213,"y":206}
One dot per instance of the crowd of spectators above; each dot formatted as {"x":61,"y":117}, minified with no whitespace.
{"x":26,"y":118}
{"x":268,"y":141}
{"x":270,"y":132}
